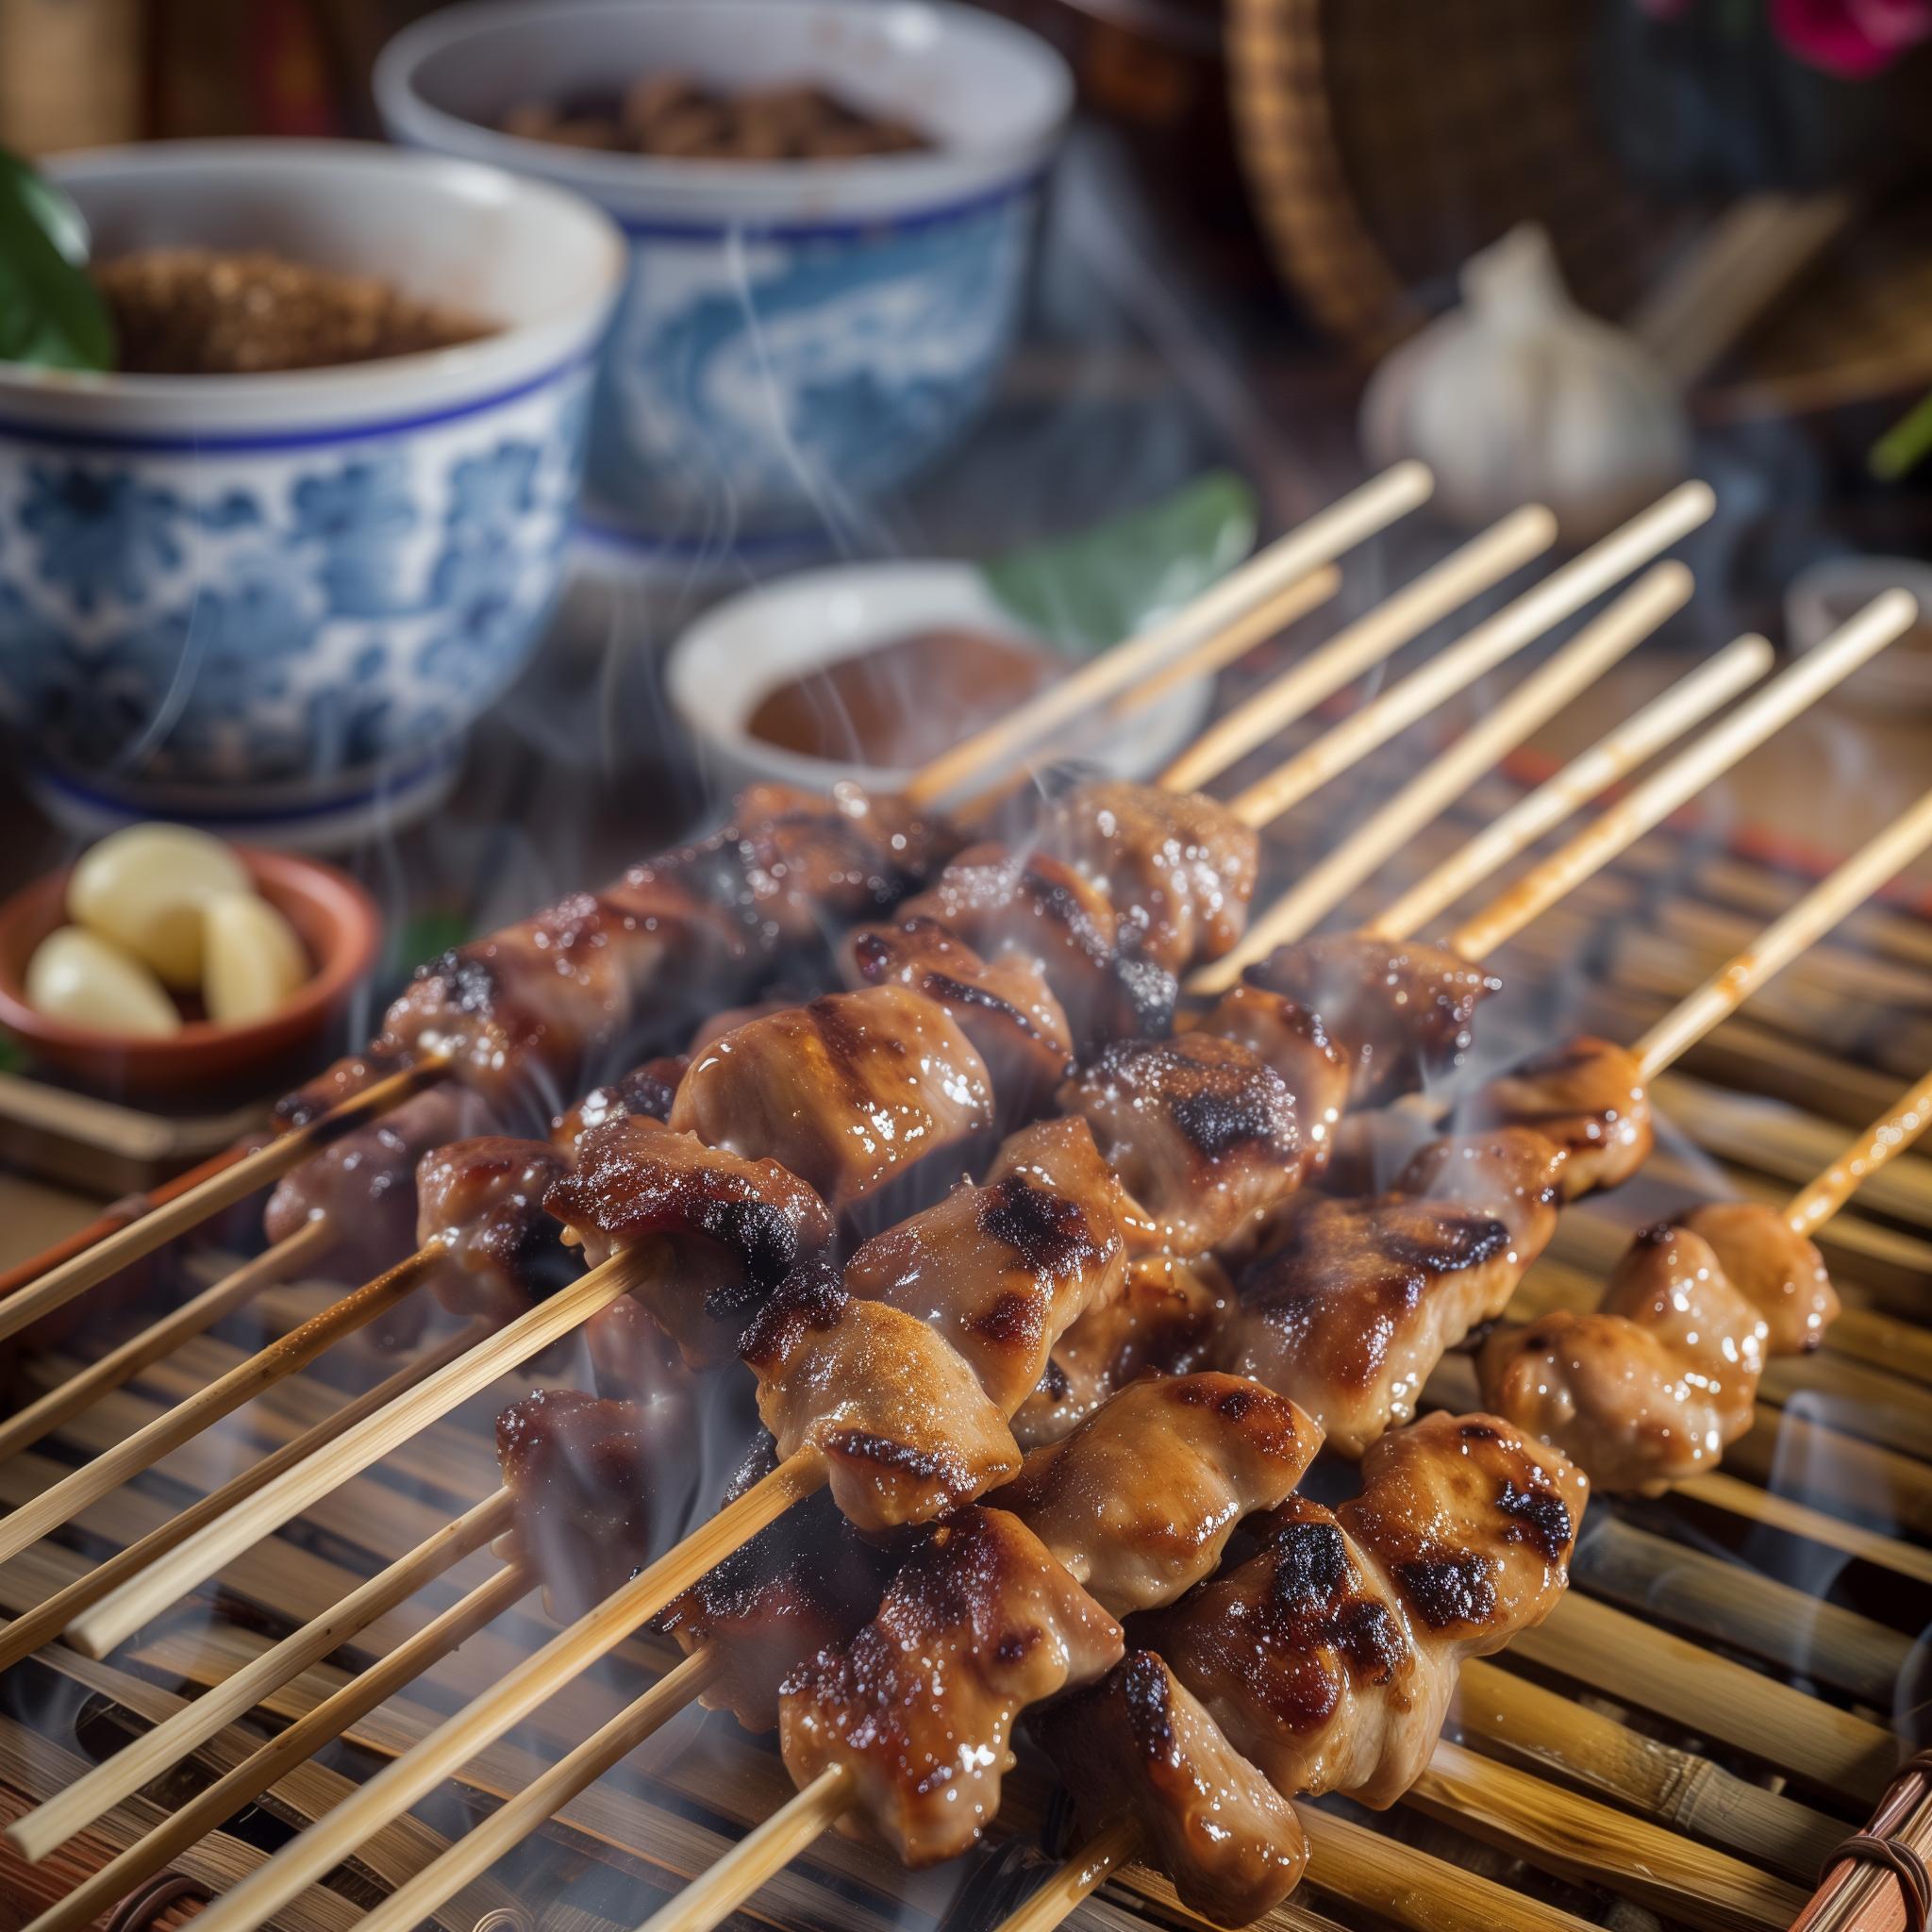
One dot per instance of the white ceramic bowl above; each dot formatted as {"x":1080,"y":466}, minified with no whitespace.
{"x":272,"y":603}
{"x":726,"y":664}
{"x":791,"y":330}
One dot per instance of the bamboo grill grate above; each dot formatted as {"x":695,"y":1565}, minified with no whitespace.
{"x":1721,"y":1690}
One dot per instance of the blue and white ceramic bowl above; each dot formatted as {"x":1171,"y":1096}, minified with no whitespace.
{"x":793,"y":331}
{"x":273,"y":603}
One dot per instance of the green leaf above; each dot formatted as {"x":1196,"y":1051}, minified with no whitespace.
{"x":1905,"y":445}
{"x":1090,"y":591}
{"x":51,"y":314}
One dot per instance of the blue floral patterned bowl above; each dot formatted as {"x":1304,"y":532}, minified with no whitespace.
{"x":792,"y":331}
{"x":273,"y":603}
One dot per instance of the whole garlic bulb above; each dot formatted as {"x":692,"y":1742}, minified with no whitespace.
{"x":1518,"y":396}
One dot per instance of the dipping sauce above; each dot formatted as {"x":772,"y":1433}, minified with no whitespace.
{"x":905,"y":701}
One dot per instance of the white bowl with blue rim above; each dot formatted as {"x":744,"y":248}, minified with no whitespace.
{"x":271,"y":603}
{"x":792,"y":331}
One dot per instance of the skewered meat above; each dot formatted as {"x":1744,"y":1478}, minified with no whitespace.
{"x":1140,"y":1501}
{"x":647,"y":1089}
{"x":999,"y":900}
{"x":1402,"y":1010}
{"x":1330,"y":1656}
{"x":1352,"y":1304}
{"x":846,"y":1092}
{"x":803,"y":1582}
{"x":1512,"y":1173}
{"x":716,"y":1232}
{"x":1202,"y":1134}
{"x":631,"y":1357}
{"x":1777,"y":1270}
{"x":1060,"y":1154}
{"x":1139,"y":1745}
{"x":999,"y":1271}
{"x":904,"y":1426}
{"x":364,"y":1184}
{"x":597,"y":1487}
{"x":1159,"y":1324}
{"x":1294,"y":1042}
{"x":920,"y":1706}
{"x":1178,"y":867}
{"x":1004,"y":1007}
{"x":1654,"y":1385}
{"x":480,"y":1202}
{"x":1587,"y":1096}
{"x":342,"y":1080}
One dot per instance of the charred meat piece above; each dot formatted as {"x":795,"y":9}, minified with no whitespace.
{"x":1004,"y":1007}
{"x":1061,"y":1154}
{"x":364,"y":1184}
{"x":846,"y":1092}
{"x":648,"y":1090}
{"x":1202,"y":1134}
{"x":1000,"y":1272}
{"x":1403,"y":1012}
{"x":715,"y":1231}
{"x":1652,"y":1387}
{"x":1139,"y":1745}
{"x":1140,"y":1501}
{"x":1775,"y":1269}
{"x":1293,"y":1041}
{"x":1587,"y":1096}
{"x":919,"y":1707}
{"x":1178,"y":867}
{"x":1513,"y":1174}
{"x":597,"y":1489}
{"x":803,"y":1582}
{"x":897,"y":1413}
{"x":631,"y":1357}
{"x":1330,"y":1656}
{"x":1159,"y":1325}
{"x":480,"y":1202}
{"x":1352,"y":1304}
{"x":1000,"y":899}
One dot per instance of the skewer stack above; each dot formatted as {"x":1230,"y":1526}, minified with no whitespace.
{"x":1633,"y":1819}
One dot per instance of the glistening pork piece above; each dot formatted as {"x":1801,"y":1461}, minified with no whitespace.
{"x":647,"y":1089}
{"x":1653,"y":1385}
{"x":1178,"y":867}
{"x":480,"y":1204}
{"x":1404,"y":1013}
{"x":847,"y":1092}
{"x":1139,"y":1745}
{"x":1587,"y":1096}
{"x":1201,"y":1133}
{"x":1293,"y":1041}
{"x":1140,"y":1501}
{"x":1779,"y":1271}
{"x":1515,"y":1175}
{"x":714,"y":1232}
{"x":896,"y":1411}
{"x":919,"y":1707}
{"x":1330,"y":1656}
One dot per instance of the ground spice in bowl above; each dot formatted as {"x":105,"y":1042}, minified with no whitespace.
{"x":199,"y":311}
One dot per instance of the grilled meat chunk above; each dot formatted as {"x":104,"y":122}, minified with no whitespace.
{"x":1140,"y":1501}
{"x":1178,"y":867}
{"x":1005,"y":1006}
{"x":342,"y":1080}
{"x":1775,"y":1269}
{"x":1654,"y":1385}
{"x":1293,"y":1041}
{"x":1512,"y":1173}
{"x":1330,"y":1656}
{"x":647,"y":1089}
{"x":846,"y":1092}
{"x":919,"y":1707}
{"x":480,"y":1203}
{"x":1061,"y":1155}
{"x":631,"y":1357}
{"x":898,"y":1414}
{"x":1403,"y":1012}
{"x":1203,"y":1134}
{"x":1139,"y":1745}
{"x":1588,"y":1097}
{"x":717,"y":1231}
{"x":803,"y":1582}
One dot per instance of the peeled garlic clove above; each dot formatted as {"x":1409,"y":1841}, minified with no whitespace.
{"x":252,"y":959}
{"x":145,"y":888}
{"x":88,"y":981}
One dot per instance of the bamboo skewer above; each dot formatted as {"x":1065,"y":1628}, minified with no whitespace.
{"x":1389,"y":830}
{"x":1482,"y":563}
{"x":1319,"y":541}
{"x":137,"y":1764}
{"x":1890,"y":1134}
{"x":1613,"y":757}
